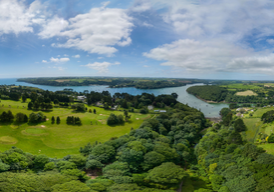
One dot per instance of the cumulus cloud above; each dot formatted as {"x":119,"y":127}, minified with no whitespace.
{"x":213,"y":35}
{"x":15,"y":17}
{"x":53,"y":27}
{"x":97,"y":31}
{"x":259,"y":64}
{"x":100,"y":67}
{"x":76,"y":56}
{"x":145,"y":66}
{"x":231,"y":19}
{"x":57,"y":60}
{"x":213,"y":55}
{"x":44,"y":61}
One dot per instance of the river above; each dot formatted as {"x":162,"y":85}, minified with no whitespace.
{"x":209,"y":110}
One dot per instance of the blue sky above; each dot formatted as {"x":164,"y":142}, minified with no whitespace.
{"x":216,"y":39}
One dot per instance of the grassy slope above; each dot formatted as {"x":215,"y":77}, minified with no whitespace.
{"x":60,"y":140}
{"x":255,"y":126}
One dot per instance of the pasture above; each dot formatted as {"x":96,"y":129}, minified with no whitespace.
{"x":246,"y":93}
{"x":59,"y":140}
{"x":269,"y":147}
{"x":253,"y":127}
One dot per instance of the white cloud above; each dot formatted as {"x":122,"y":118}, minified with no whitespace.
{"x":211,"y":55}
{"x":43,"y":45}
{"x":270,"y":41}
{"x":141,"y":6}
{"x":57,"y":60}
{"x":76,"y":56}
{"x":44,"y":61}
{"x":66,"y":55}
{"x":259,"y":64}
{"x":100,"y":57}
{"x":145,"y":66}
{"x":230,"y":19}
{"x":96,"y":32}
{"x":15,"y":17}
{"x":100,"y":67}
{"x":53,"y":27}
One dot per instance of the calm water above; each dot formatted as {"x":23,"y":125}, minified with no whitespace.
{"x":210,"y":110}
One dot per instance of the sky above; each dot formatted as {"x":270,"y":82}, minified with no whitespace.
{"x":204,"y":39}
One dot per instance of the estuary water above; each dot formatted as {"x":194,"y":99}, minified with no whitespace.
{"x":209,"y":110}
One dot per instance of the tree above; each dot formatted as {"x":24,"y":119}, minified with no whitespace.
{"x":224,"y":112}
{"x":271,"y":138}
{"x":20,"y":117}
{"x":167,"y":175}
{"x":94,"y":111}
{"x":56,"y":102}
{"x":52,"y":120}
{"x":239,"y":125}
{"x":93,"y":164}
{"x":58,"y":120}
{"x":72,"y":186}
{"x":24,"y":98}
{"x":112,"y":119}
{"x":30,"y":105}
{"x":152,"y":159}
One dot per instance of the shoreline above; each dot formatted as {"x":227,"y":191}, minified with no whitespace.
{"x":207,"y":100}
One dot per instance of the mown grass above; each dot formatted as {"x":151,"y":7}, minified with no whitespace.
{"x":60,"y":140}
{"x":269,"y":147}
{"x":246,"y":93}
{"x":261,"y":111}
{"x":253,"y":127}
{"x":242,"y":86}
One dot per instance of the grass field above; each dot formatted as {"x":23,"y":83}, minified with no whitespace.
{"x":269,"y":147}
{"x":60,"y":140}
{"x":261,"y":111}
{"x":246,"y":93}
{"x":242,"y":86}
{"x":253,"y":127}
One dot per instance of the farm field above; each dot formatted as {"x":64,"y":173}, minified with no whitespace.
{"x":246,"y":93}
{"x":253,"y":126}
{"x":243,"y":86}
{"x":60,"y":140}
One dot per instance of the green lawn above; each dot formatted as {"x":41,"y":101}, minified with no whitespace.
{"x":60,"y":140}
{"x":259,"y":113}
{"x":269,"y":147}
{"x":253,"y":127}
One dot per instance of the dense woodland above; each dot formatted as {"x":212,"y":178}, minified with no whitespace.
{"x":210,"y":93}
{"x":161,"y":154}
{"x":139,"y":83}
{"x":265,"y":95}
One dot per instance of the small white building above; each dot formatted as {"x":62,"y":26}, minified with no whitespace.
{"x":162,"y":111}
{"x":150,"y":107}
{"x":81,"y":98}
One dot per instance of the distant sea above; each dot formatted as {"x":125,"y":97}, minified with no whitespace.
{"x":209,"y":110}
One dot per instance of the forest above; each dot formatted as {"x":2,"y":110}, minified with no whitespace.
{"x":115,"y":82}
{"x":176,"y":148}
{"x":256,"y":93}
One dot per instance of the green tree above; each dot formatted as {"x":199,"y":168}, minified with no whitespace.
{"x":166,"y":176}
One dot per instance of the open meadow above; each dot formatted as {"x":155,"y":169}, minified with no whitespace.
{"x":59,"y":140}
{"x":246,"y":93}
